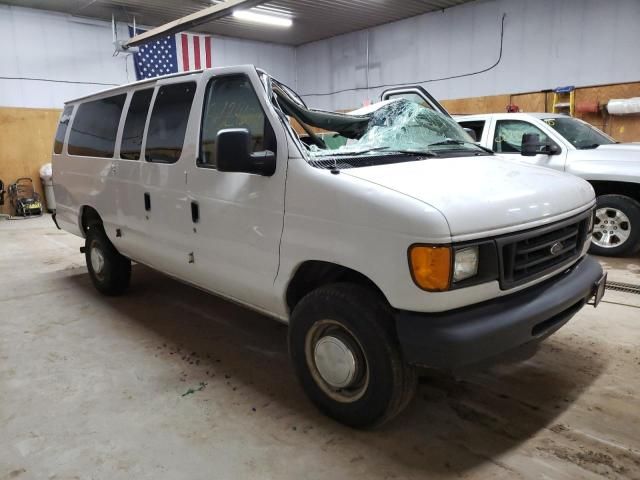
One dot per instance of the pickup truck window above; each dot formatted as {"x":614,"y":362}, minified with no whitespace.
{"x":508,"y":135}
{"x":580,"y":134}
{"x":476,"y":125}
{"x":412,"y":97}
{"x":231,"y":102}
{"x":168,"y":122}
{"x":134,"y":125}
{"x":94,"y":129}
{"x":62,"y":129}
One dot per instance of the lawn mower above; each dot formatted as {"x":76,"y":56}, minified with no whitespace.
{"x":24,"y":199}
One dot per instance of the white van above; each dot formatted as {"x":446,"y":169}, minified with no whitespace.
{"x":407,"y":246}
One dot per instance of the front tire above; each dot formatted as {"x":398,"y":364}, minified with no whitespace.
{"x":616,"y":230}
{"x":345,"y":352}
{"x":110,"y":272}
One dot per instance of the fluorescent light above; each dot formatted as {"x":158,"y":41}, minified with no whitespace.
{"x":262,"y":18}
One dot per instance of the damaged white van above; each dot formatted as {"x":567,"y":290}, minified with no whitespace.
{"x":406,"y":246}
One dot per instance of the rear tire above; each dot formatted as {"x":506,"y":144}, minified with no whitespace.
{"x":110,"y":272}
{"x":344,"y":348}
{"x":616,"y":230}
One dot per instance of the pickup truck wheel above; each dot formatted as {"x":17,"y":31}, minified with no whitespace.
{"x":110,"y":272}
{"x":344,"y":349}
{"x":616,"y":230}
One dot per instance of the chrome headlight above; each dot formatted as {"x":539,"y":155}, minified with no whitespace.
{"x":465,"y":264}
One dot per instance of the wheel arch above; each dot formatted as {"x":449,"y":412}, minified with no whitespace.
{"x":87,"y":216}
{"x":613,"y":187}
{"x":312,"y":274}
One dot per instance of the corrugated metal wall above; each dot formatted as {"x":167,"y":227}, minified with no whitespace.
{"x":42,"y":45}
{"x":547,"y":43}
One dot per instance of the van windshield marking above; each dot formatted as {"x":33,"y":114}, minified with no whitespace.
{"x":231,"y":102}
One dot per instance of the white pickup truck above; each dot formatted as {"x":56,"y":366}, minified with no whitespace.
{"x":572,"y":145}
{"x":409,"y":246}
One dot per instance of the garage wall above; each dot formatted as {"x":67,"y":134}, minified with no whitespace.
{"x":547,"y":43}
{"x":25,"y":151}
{"x":624,"y":128}
{"x":54,"y":57}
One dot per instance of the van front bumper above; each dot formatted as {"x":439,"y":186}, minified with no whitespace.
{"x":474,"y":334}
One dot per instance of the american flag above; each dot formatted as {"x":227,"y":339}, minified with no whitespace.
{"x":172,"y":54}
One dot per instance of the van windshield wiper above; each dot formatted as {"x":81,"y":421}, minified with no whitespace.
{"x":589,"y":147}
{"x":332,"y":153}
{"x":426,"y":153}
{"x":453,"y":141}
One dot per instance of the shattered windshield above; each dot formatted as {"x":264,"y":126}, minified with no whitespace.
{"x":407,"y":127}
{"x":581,"y":135}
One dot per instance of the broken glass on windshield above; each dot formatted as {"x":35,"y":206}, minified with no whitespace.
{"x":402,"y":126}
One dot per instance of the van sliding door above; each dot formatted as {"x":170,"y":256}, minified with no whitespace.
{"x":163,"y":197}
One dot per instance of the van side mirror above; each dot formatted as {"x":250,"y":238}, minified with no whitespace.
{"x":472,"y":133}
{"x":233,"y":154}
{"x":531,"y":146}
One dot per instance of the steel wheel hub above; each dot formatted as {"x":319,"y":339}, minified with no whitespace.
{"x":335,"y":361}
{"x":97,"y":260}
{"x":611,"y":229}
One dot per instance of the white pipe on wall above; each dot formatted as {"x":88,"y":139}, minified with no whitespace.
{"x":624,"y":106}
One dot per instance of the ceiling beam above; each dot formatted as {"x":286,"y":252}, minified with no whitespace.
{"x":198,"y":18}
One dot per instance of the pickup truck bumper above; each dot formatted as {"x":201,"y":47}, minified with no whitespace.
{"x":473,"y":334}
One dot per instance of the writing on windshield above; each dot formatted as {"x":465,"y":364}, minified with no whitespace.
{"x":579,"y":133}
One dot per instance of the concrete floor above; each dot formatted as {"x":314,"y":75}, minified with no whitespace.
{"x":96,"y":387}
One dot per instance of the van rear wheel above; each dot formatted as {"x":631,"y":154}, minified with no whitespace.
{"x":110,"y":272}
{"x":344,"y":349}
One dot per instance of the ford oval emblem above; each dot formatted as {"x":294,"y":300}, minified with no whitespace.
{"x":556,"y":248}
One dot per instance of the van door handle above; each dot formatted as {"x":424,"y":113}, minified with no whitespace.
{"x":147,"y":201}
{"x":195,"y":212}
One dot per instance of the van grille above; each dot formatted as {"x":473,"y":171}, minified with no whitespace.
{"x":527,"y":256}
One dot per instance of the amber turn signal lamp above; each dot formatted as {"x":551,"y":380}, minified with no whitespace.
{"x":430,"y":267}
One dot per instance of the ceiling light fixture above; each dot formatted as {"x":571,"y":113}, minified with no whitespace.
{"x":250,"y":16}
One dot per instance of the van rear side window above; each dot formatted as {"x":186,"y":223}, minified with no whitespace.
{"x":168,"y":122}
{"x":134,"y":125}
{"x":61,"y":132}
{"x":94,"y":129}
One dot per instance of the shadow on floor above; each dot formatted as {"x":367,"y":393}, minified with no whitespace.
{"x":451,"y":427}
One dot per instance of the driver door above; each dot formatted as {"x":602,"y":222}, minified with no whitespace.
{"x":507,"y":141}
{"x":237,"y":217}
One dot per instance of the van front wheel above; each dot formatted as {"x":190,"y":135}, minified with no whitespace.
{"x":344,"y":349}
{"x":110,"y":272}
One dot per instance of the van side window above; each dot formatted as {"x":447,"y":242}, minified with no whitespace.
{"x":134,"y":125}
{"x":168,"y":122}
{"x":94,"y":129}
{"x":231,"y":102}
{"x":62,"y":129}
